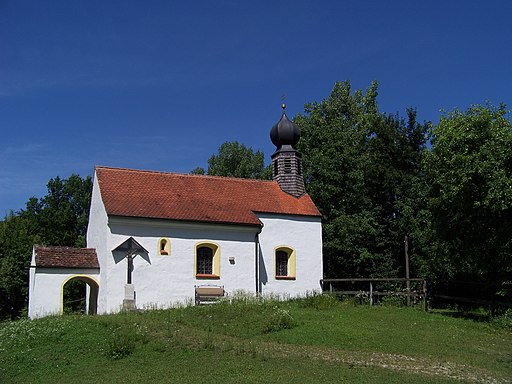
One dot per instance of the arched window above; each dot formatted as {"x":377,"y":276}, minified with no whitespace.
{"x":164,"y":247}
{"x":285,"y":263}
{"x":207,"y":261}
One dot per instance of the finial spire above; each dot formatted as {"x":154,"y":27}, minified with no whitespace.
{"x":285,"y":132}
{"x":286,"y":161}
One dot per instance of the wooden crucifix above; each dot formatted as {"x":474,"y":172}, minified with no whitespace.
{"x":129,"y":256}
{"x":131,"y":248}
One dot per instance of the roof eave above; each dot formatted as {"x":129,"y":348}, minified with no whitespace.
{"x":257,"y":224}
{"x":39,"y":267}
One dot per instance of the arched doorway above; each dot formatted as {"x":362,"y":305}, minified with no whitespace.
{"x":79,"y":294}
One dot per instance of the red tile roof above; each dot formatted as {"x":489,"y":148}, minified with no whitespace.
{"x":66,"y":257}
{"x":149,"y":194}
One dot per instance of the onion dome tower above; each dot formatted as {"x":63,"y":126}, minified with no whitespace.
{"x":286,"y":160}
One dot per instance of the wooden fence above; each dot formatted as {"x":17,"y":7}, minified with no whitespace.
{"x":415,"y":290}
{"x":471,"y":294}
{"x":375,"y":291}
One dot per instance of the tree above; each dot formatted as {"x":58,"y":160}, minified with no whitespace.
{"x":59,"y":218}
{"x":236,"y":160}
{"x":15,"y":252}
{"x":333,"y":137}
{"x":62,"y":214}
{"x":394,"y":179}
{"x":360,"y":166}
{"x":470,"y":173}
{"x":198,"y":171}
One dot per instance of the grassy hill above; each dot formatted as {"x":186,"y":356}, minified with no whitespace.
{"x":315,"y":340}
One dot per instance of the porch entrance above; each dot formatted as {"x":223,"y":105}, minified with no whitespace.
{"x":80,"y":295}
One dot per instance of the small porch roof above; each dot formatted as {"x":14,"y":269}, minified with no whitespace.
{"x":65,"y":257}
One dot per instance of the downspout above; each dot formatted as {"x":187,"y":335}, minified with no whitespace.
{"x":257,"y":259}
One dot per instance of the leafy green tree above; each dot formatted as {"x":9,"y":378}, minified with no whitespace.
{"x":59,"y":218}
{"x":15,"y":252}
{"x":360,"y":166}
{"x":236,"y":160}
{"x":470,"y":173}
{"x":198,"y":171}
{"x":393,"y":180}
{"x":333,"y":138}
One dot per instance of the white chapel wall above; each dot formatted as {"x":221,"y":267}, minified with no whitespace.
{"x":46,"y":288}
{"x":165,"y":280}
{"x":97,"y":237}
{"x":304,"y":235}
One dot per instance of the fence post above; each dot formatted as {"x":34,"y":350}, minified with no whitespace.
{"x":330,"y":288}
{"x":407,"y":276}
{"x":425,"y":305}
{"x":371,"y":293}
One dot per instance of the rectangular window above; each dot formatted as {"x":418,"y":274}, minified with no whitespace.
{"x":207,"y":261}
{"x":285,"y":263}
{"x":204,"y":261}
{"x":281,"y":263}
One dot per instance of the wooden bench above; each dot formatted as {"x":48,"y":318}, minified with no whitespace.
{"x":208,"y":294}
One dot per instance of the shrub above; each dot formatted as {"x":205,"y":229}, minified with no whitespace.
{"x":318,"y":301}
{"x":280,"y":319}
{"x":123,"y":340}
{"x":120,"y":344}
{"x":504,"y":320}
{"x":393,"y":301}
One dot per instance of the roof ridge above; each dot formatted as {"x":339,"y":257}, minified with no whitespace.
{"x":241,"y":179}
{"x":63,"y":247}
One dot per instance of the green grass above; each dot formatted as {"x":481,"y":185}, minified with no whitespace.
{"x":315,"y":340}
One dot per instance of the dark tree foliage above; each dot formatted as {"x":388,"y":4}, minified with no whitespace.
{"x":469,"y":171}
{"x":333,"y":136}
{"x":198,"y":171}
{"x":361,"y":168}
{"x":59,"y":218}
{"x":15,"y":251}
{"x":393,"y":180}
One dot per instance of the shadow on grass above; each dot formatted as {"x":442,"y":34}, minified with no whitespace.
{"x":480,"y":317}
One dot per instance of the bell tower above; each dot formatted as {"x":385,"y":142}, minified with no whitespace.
{"x":286,"y":160}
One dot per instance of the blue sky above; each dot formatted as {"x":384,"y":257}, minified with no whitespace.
{"x":161,"y":85}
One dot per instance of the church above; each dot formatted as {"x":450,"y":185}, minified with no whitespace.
{"x":156,"y":239}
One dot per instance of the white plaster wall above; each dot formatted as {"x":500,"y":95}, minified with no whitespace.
{"x":304,"y":235}
{"x":97,"y":237}
{"x":46,"y":284}
{"x":32,"y":301}
{"x":161,"y":281}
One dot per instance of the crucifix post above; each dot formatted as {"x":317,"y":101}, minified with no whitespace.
{"x":130,"y":248}
{"x":129,"y":291}
{"x":129,"y":256}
